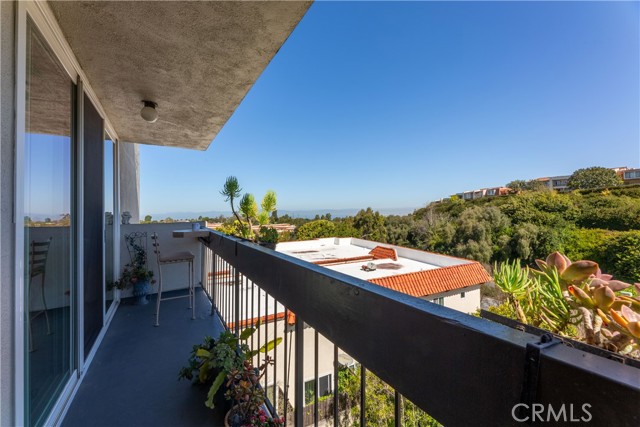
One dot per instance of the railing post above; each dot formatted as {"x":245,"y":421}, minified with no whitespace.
{"x":299,"y":373}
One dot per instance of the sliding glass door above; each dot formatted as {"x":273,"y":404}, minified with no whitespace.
{"x":109,"y":220}
{"x":48,"y":241}
{"x":93,"y":220}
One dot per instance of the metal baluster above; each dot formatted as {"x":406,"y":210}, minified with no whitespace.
{"x":226,"y":296}
{"x":275,"y":358}
{"x":299,"y":373}
{"x":237,"y":303}
{"x":317,"y":385}
{"x":266,"y":336}
{"x":398,"y":413}
{"x":363,"y":388}
{"x":245,"y":290}
{"x":213,"y":283}
{"x":259,"y":320}
{"x":335,"y":386}
{"x":287,"y":361}
{"x":253,"y":295}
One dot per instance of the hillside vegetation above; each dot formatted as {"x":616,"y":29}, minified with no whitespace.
{"x":602,"y":226}
{"x":599,"y":225}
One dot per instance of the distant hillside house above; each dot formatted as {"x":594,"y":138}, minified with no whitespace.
{"x":448,"y":281}
{"x":630,"y":176}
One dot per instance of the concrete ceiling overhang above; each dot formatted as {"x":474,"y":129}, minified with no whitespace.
{"x":196,"y":60}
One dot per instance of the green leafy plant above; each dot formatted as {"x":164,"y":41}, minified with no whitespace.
{"x":268,"y":235}
{"x":136,"y":270}
{"x":212,"y":361}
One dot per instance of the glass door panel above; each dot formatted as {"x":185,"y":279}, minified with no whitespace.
{"x":49,"y":291}
{"x":109,"y":149}
{"x":93,"y":219}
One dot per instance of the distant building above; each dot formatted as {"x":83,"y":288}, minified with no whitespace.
{"x":558,"y":183}
{"x":484,"y":192}
{"x":445,"y":280}
{"x":280,"y":228}
{"x":630,"y":176}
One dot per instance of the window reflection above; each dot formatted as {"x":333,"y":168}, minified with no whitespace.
{"x":108,"y":219}
{"x":47,"y":234}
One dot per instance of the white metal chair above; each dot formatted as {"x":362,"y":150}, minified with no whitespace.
{"x":174,"y":258}
{"x":38,"y":253}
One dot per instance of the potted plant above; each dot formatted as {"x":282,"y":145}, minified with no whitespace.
{"x":220,"y":362}
{"x":268,"y":237}
{"x":246,"y":213}
{"x":243,"y":389}
{"x":136,"y":274}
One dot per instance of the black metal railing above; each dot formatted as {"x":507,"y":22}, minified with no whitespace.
{"x":460,"y":369}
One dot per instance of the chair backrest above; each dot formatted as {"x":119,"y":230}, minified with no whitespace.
{"x":38,"y":253}
{"x":156,"y":246}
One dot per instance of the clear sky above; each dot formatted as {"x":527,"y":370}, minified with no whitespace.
{"x":393,"y":105}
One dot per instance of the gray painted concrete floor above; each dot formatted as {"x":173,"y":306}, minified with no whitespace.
{"x":132,"y":380}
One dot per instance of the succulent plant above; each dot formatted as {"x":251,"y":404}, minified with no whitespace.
{"x":603,"y":311}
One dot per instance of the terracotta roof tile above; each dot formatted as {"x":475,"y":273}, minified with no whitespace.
{"x":262,"y":319}
{"x":429,"y":282}
{"x":380,"y":252}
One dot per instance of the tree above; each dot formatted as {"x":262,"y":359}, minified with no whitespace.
{"x":147,"y":218}
{"x":316,"y":230}
{"x":594,"y":177}
{"x":480,"y":234}
{"x":379,"y":402}
{"x":370,"y":224}
{"x":520,"y":185}
{"x":517,"y":185}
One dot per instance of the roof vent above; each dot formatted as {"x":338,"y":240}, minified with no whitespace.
{"x":370,"y":266}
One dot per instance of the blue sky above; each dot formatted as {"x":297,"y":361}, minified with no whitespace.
{"x":393,"y":105}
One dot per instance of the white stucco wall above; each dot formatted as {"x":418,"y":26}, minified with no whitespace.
{"x":173,"y":276}
{"x":469,"y":304}
{"x":129,"y":161}
{"x":325,"y":356}
{"x":7,"y":234}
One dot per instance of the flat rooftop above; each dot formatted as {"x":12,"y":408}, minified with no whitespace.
{"x":411,"y":271}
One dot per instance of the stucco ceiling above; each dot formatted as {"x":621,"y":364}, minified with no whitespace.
{"x":196,"y":60}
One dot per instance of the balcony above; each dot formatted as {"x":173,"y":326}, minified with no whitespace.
{"x":460,"y":369}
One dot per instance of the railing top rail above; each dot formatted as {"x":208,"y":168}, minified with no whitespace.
{"x":461,"y":369}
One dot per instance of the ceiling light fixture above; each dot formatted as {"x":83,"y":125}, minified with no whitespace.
{"x":149,"y":112}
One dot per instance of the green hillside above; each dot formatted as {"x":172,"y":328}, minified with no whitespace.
{"x":600,"y":225}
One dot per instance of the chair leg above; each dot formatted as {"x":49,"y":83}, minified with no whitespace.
{"x":192,"y":291}
{"x":46,"y":310}
{"x":158,"y":297}
{"x":30,"y":336}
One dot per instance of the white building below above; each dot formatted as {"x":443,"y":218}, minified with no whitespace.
{"x":449,"y":281}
